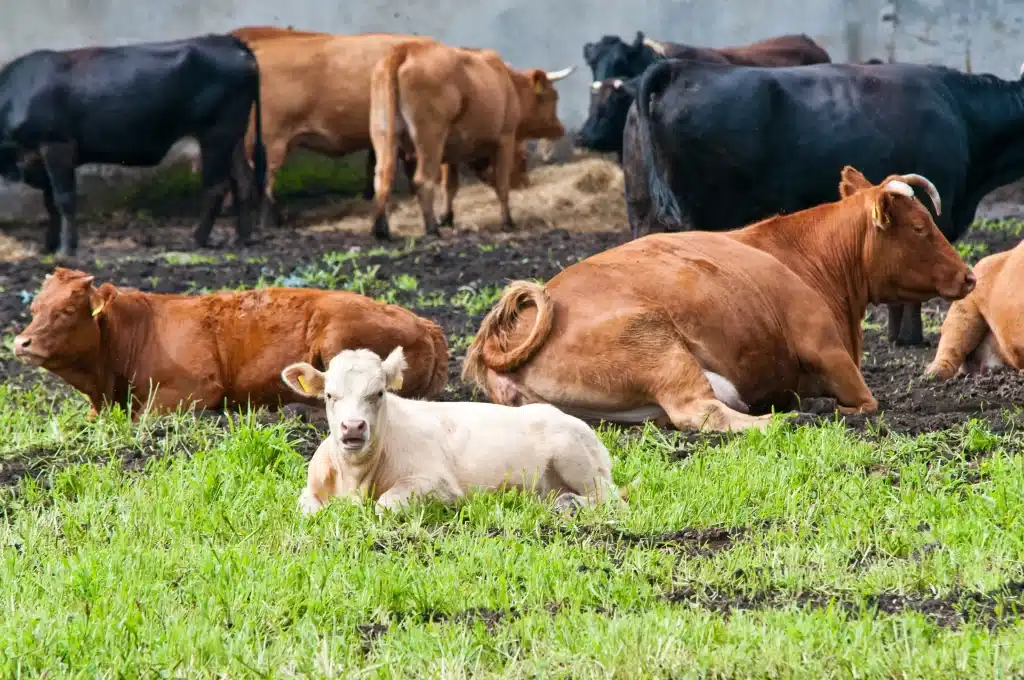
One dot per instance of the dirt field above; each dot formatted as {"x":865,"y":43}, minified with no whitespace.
{"x":570,"y":212}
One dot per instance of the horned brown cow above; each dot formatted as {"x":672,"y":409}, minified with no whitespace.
{"x":670,"y":326}
{"x":316,"y":95}
{"x":222,"y":349}
{"x":985,"y":330}
{"x":451,"y":105}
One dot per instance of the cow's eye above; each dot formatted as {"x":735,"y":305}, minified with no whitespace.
{"x":380,"y":395}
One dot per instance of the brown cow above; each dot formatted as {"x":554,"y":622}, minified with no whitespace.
{"x":450,"y":104}
{"x":985,"y":330}
{"x":218,"y":349}
{"x":315,"y":90}
{"x":670,"y":326}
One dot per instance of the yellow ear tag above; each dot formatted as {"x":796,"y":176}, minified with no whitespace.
{"x":99,"y":309}
{"x":303,"y":385}
{"x":539,"y":87}
{"x":396,"y":384}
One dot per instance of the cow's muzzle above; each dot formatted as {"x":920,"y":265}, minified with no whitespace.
{"x":354,"y":434}
{"x":24,"y":350}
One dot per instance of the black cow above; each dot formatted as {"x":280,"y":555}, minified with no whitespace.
{"x":617,"y":66}
{"x":128,"y":105}
{"x":609,"y":104}
{"x":715,"y":147}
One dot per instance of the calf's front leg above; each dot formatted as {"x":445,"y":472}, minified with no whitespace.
{"x":401,"y":495}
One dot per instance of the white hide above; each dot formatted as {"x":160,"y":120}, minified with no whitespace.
{"x":444,"y":449}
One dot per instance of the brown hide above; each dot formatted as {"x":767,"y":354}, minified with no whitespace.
{"x":214,"y":348}
{"x":786,"y":50}
{"x":449,"y":105}
{"x":985,"y":330}
{"x":774,"y":308}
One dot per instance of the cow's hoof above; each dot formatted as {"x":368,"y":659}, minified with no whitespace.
{"x":508,"y":225}
{"x":381,"y":229}
{"x":447,"y":220}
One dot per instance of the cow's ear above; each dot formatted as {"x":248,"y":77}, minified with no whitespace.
{"x":303,"y":379}
{"x":881,"y":210}
{"x":394,"y":367}
{"x":589,"y":53}
{"x":539,"y":79}
{"x":100,"y":299}
{"x":851,"y":181}
{"x":638,"y":41}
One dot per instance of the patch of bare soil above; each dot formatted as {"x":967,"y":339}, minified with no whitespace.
{"x":568,"y":213}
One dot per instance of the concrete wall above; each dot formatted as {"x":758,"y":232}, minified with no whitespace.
{"x":982,"y":35}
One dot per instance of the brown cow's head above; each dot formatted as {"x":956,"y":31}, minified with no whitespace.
{"x":538,"y":104}
{"x":906,"y":256}
{"x":65,"y":320}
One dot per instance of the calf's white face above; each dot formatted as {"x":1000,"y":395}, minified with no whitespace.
{"x":354,"y":392}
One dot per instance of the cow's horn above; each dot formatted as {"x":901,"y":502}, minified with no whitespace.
{"x":925,"y":183}
{"x":596,"y":85}
{"x":555,"y":76}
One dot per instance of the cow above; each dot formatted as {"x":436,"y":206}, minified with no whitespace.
{"x":129,"y":105}
{"x":715,"y":147}
{"x":612,"y":57}
{"x":985,"y":330}
{"x":123,"y":346}
{"x":394,"y":450}
{"x":617,"y":68}
{"x":451,"y":105}
{"x":705,"y":329}
{"x":299,"y":110}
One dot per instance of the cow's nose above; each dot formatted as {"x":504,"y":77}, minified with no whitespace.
{"x":21,"y":343}
{"x":969,"y":282}
{"x":353,"y":426}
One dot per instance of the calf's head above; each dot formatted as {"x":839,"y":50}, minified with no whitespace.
{"x":66,"y":316}
{"x":609,"y":104}
{"x":354,"y":389}
{"x":905,"y":255}
{"x":538,"y":103}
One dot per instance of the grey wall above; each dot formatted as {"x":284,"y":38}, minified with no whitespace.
{"x":980,"y":35}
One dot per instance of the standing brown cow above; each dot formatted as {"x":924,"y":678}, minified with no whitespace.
{"x":316,"y":95}
{"x":451,"y":105}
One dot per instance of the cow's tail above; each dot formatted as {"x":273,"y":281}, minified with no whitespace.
{"x":665,"y":208}
{"x":490,"y":348}
{"x":259,"y":151}
{"x":384,"y":97}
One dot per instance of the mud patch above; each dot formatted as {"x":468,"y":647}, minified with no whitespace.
{"x":997,"y":608}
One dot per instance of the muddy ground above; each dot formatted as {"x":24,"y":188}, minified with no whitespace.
{"x":570,"y":212}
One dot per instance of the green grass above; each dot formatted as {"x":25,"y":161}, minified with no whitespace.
{"x":199,"y":565}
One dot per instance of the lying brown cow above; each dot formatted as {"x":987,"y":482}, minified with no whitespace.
{"x":451,"y":105}
{"x":315,"y":93}
{"x":222,"y":349}
{"x":670,"y":326}
{"x":985,"y":330}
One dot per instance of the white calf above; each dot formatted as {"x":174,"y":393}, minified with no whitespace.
{"x":389,"y":448}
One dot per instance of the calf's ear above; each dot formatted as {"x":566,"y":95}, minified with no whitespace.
{"x":100,"y":298}
{"x":303,"y":379}
{"x":393,"y":367}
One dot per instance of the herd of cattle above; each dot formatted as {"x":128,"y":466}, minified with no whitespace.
{"x":756,"y":302}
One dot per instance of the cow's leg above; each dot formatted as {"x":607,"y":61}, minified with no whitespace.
{"x":59,"y":160}
{"x":450,"y":182}
{"x":503,"y":160}
{"x":216,"y":165}
{"x":371,"y":163}
{"x":406,"y":489}
{"x":841,"y":377}
{"x":270,"y":212}
{"x":685,"y":394}
{"x":912,"y":329}
{"x":429,"y":153}
{"x":53,"y":222}
{"x":383,"y":181}
{"x":246,"y":204}
{"x":320,"y":481}
{"x":962,"y":332}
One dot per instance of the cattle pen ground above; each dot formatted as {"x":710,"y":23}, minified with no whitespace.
{"x":880,"y":546}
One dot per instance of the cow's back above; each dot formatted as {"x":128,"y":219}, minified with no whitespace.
{"x":805,"y":124}
{"x":317,"y":87}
